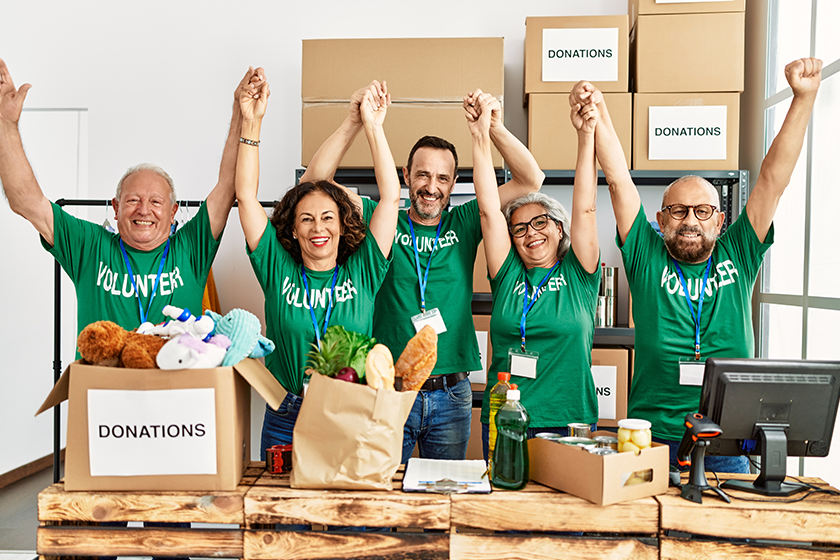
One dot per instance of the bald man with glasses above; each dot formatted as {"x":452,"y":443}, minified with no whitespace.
{"x":692,"y":287}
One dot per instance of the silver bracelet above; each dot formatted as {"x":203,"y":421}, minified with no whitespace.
{"x":249,"y":142}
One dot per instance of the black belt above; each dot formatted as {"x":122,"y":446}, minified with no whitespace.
{"x":437,"y":382}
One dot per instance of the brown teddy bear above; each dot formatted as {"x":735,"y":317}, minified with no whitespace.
{"x":105,"y":343}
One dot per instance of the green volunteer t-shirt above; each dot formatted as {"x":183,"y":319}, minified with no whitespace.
{"x":560,"y":327}
{"x":92,"y":258}
{"x":449,"y":287}
{"x":288,"y":321}
{"x":664,"y":326}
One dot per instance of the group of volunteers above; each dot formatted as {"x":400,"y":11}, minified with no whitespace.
{"x":377,"y":270}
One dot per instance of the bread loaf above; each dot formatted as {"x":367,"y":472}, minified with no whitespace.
{"x":379,"y":368}
{"x":418,"y":359}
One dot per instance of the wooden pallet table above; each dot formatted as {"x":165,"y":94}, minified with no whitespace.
{"x":807,"y":528}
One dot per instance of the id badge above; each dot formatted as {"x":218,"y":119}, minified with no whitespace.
{"x":691,"y":371}
{"x":523,"y":364}
{"x":432,"y":317}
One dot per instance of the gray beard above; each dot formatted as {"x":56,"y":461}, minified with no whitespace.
{"x":425,"y":215}
{"x":696,"y":254}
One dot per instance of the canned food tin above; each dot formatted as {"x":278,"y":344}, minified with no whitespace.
{"x":606,"y":442}
{"x":549,"y":436}
{"x":603,"y":451}
{"x":580,"y":429}
{"x":586,"y":443}
{"x":600,"y":312}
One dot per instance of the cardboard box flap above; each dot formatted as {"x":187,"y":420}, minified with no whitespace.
{"x":59,"y":393}
{"x":261,"y":379}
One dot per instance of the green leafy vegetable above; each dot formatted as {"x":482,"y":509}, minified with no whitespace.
{"x":340,"y":348}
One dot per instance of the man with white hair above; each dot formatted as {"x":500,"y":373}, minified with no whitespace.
{"x":126,"y":277}
{"x":692,"y":287}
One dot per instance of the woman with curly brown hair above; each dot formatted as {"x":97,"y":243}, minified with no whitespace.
{"x":316,"y":262}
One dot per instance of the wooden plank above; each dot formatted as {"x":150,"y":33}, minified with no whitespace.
{"x":683,"y":549}
{"x":816,"y":518}
{"x":552,"y":511}
{"x":265,"y":545}
{"x":336,"y":507}
{"x":73,"y":541}
{"x":54,"y":504}
{"x":502,"y":547}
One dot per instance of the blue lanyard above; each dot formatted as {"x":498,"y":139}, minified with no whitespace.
{"x":529,"y":301}
{"x":311,"y":310}
{"x":423,"y":279}
{"x":695,"y":316}
{"x":134,"y":283}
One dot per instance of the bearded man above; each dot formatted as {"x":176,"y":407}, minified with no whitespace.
{"x":692,"y":287}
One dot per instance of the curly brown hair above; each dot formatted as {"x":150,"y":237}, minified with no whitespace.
{"x":352,"y":225}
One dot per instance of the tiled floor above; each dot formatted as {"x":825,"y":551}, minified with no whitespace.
{"x":19,"y":515}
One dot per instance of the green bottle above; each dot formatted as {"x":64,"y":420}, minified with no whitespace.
{"x":498,"y":395}
{"x":509,"y":469}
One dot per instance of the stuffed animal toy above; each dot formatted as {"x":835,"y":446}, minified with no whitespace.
{"x":187,"y":351}
{"x":182,"y":322}
{"x":243,"y":329}
{"x":105,"y":343}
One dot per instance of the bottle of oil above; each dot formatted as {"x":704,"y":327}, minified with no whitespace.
{"x":509,"y":469}
{"x":498,"y":395}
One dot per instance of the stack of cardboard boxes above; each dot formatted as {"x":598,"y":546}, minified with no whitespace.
{"x":427,"y":80}
{"x":687,"y":70}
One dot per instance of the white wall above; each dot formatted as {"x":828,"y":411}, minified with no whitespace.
{"x":157,"y":80}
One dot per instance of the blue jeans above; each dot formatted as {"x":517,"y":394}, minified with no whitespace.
{"x":718,"y":464}
{"x":440,"y":423}
{"x":278,"y":426}
{"x":532,"y":433}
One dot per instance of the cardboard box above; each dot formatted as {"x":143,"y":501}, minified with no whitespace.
{"x":647,"y":7}
{"x":552,"y":138}
{"x":481,"y":284}
{"x":443,"y":69}
{"x":688,"y":53}
{"x":150,"y":429}
{"x":478,"y":379}
{"x":405,"y":124}
{"x":610,"y":371}
{"x":598,"y":478}
{"x":561,"y":51}
{"x":691,"y":131}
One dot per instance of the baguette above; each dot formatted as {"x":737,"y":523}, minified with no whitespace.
{"x":379,"y":368}
{"x":418,"y":359}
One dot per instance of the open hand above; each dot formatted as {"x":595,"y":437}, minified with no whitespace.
{"x":803,"y":75}
{"x":11,"y":100}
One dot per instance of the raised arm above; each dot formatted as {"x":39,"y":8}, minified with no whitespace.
{"x":623,"y":192}
{"x":479,"y":107}
{"x":383,"y":223}
{"x":804,"y":78}
{"x":584,"y":225}
{"x":220,"y":200}
{"x":326,"y":160}
{"x":19,"y":184}
{"x":252,"y":102}
{"x":526,"y":175}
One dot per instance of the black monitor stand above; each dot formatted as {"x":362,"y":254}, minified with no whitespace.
{"x":770,"y":481}
{"x":697,"y":483}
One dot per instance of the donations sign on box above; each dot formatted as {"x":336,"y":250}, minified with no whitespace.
{"x":164,"y":432}
{"x":570,"y":55}
{"x":682,"y":133}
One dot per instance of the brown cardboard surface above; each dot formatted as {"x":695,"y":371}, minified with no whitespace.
{"x":646,"y":7}
{"x":594,"y":477}
{"x":688,"y":53}
{"x":620,"y":358}
{"x":404,"y":125}
{"x":641,"y":105}
{"x":232,"y":401}
{"x":552,"y":138}
{"x":427,"y":69}
{"x":481,"y":284}
{"x":533,"y":52}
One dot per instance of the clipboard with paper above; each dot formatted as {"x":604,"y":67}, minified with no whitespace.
{"x":446,"y":476}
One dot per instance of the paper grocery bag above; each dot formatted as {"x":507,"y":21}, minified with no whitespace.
{"x":348,"y":436}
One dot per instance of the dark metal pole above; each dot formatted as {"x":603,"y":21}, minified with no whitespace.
{"x":57,"y":375}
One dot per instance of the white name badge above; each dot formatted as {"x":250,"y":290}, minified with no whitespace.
{"x":523,"y":364}
{"x":691,"y":373}
{"x":691,"y":132}
{"x":606,"y":388}
{"x":571,"y":55}
{"x":432,"y":317}
{"x":140,"y":433}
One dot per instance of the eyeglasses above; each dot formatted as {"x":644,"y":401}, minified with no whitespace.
{"x":701,"y":211}
{"x":537,"y":223}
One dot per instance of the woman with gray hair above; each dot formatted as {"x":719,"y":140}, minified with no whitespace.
{"x":544,"y":274}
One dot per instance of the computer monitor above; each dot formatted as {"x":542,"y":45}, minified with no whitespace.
{"x":772,"y":408}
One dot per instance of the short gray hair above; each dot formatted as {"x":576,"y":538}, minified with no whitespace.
{"x":173,"y":199}
{"x":553,"y":208}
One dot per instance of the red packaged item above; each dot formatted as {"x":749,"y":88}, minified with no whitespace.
{"x":278,"y":459}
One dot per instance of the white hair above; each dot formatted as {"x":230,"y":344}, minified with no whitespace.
{"x":154,"y":169}
{"x":553,"y":208}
